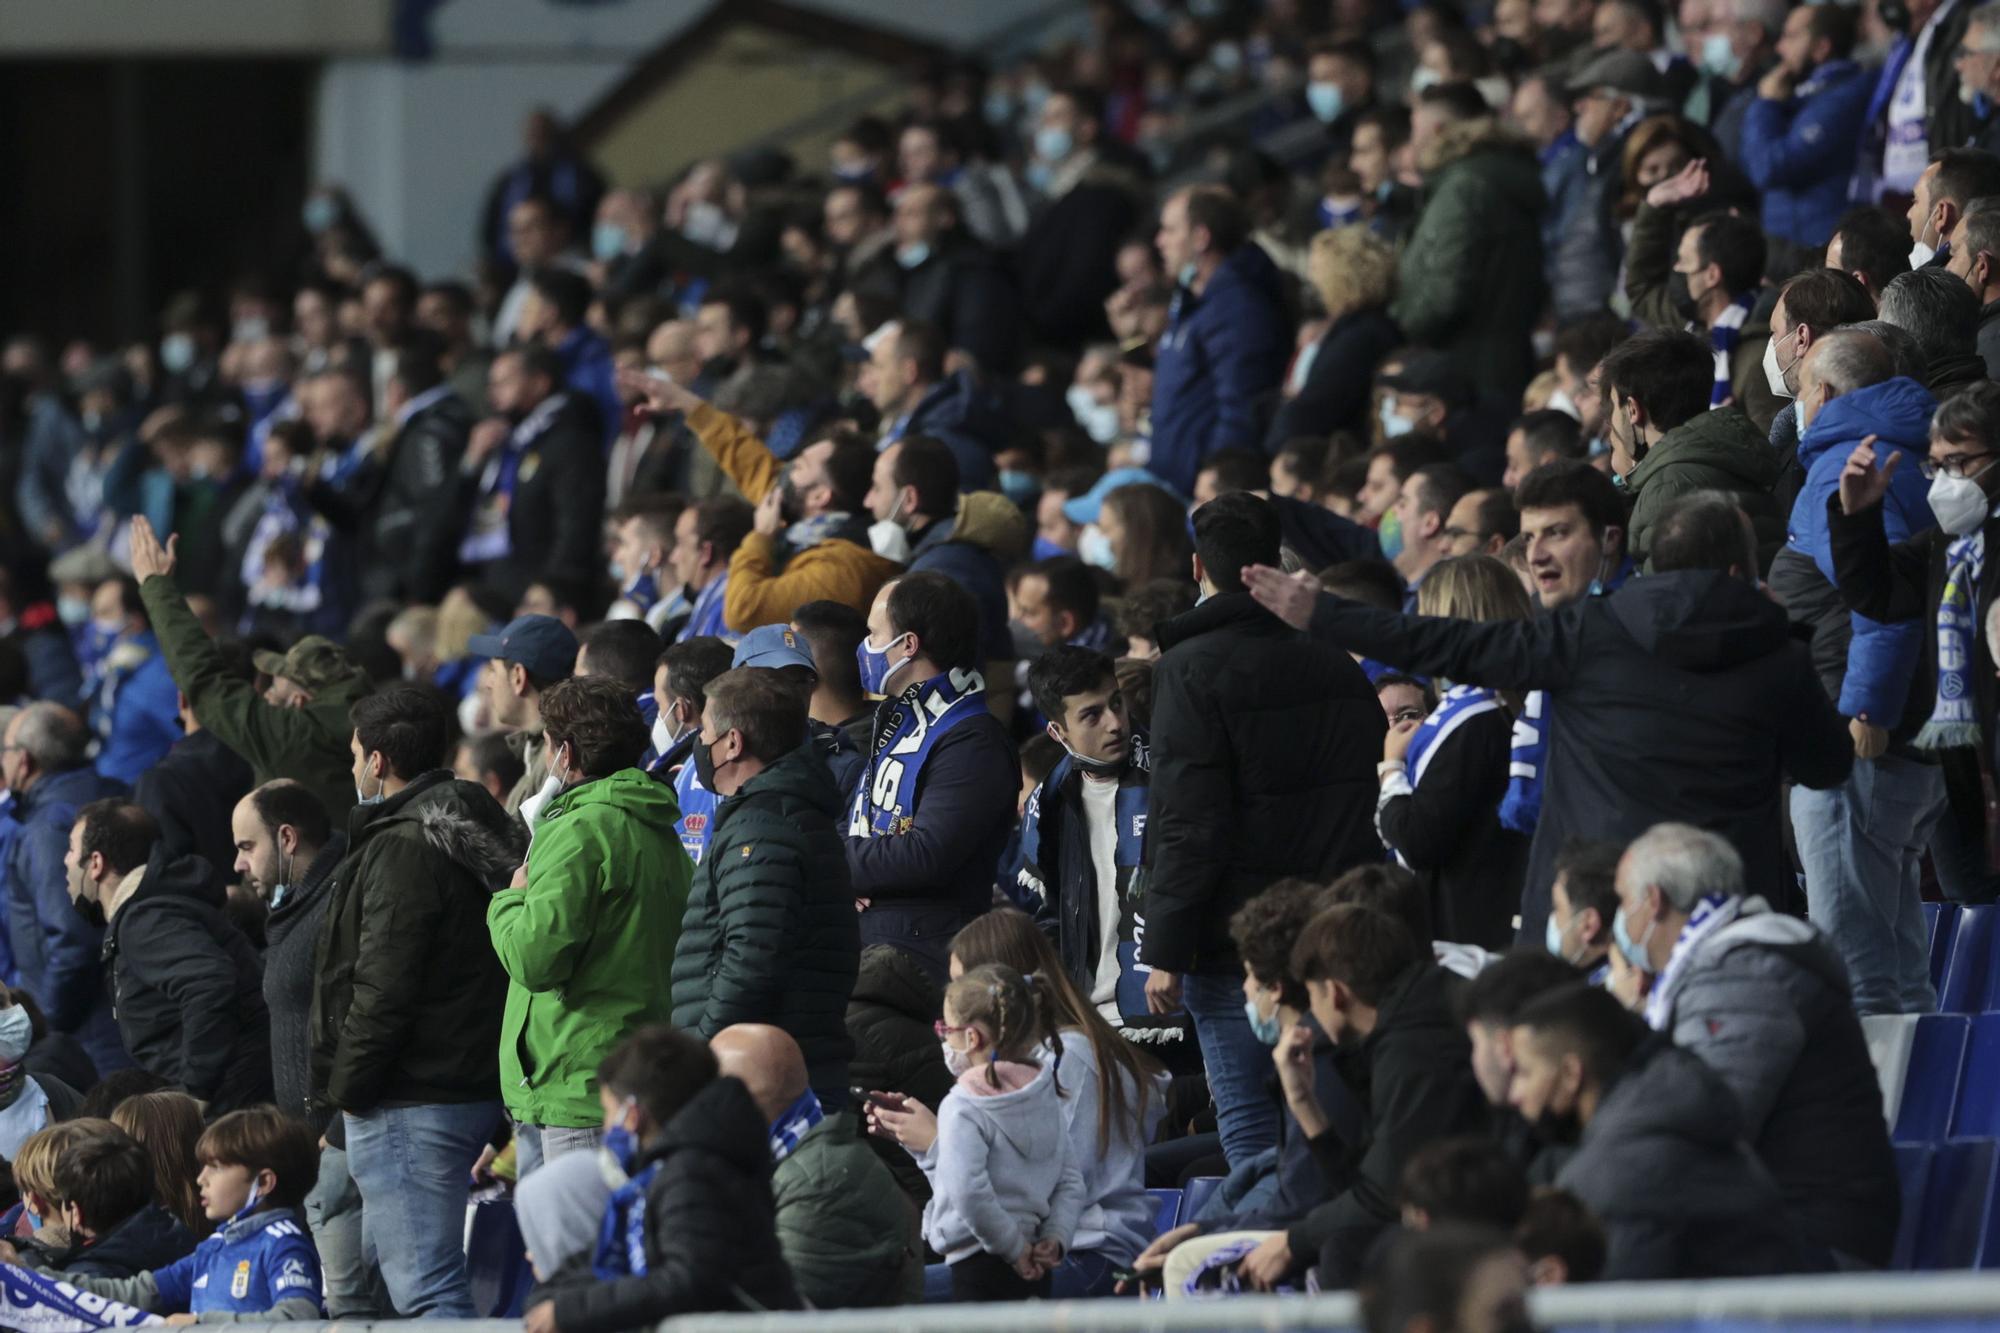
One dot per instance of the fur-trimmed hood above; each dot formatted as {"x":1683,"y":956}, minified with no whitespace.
{"x":458,"y":818}
{"x":1461,"y":140}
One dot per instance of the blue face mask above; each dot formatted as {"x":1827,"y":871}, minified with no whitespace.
{"x":1095,"y":548}
{"x":913,"y":256}
{"x":376,"y":799}
{"x":875,"y":668}
{"x":998,"y":109}
{"x":34,"y":1221}
{"x":319,"y":213}
{"x":1634,"y":950}
{"x":1263,"y":1029}
{"x":1044,"y":549}
{"x":623,"y":1144}
{"x":1189,"y":272}
{"x":1020,"y":487}
{"x":607,"y":241}
{"x":1053,"y":145}
{"x":1553,"y":939}
{"x":1393,"y":423}
{"x":1718,"y":56}
{"x":1326,"y":101}
{"x":643,"y":591}
{"x":1390,"y":535}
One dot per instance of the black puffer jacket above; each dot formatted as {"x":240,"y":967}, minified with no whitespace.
{"x":711,"y":1227}
{"x":397,"y":503}
{"x":770,"y":934}
{"x":895,"y":1049}
{"x":1264,"y":752}
{"x":190,"y":794}
{"x":150,"y":1238}
{"x":410,"y":991}
{"x":291,"y":936}
{"x":186,"y":987}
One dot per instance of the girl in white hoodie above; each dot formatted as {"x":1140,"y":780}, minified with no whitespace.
{"x":1005,"y":1193}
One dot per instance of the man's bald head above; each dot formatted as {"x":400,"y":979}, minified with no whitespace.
{"x":765,"y":1060}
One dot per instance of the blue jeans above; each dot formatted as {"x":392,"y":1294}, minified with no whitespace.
{"x":333,"y":1211}
{"x":1860,"y":844}
{"x":1238,"y":1064}
{"x":537,"y":1145}
{"x":413,"y":1165}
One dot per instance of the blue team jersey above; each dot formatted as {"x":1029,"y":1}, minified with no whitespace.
{"x":245,"y":1268}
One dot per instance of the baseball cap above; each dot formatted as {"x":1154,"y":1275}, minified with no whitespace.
{"x":1083,"y":508}
{"x":85,"y":564}
{"x":1433,"y":374}
{"x":1625,"y":72}
{"x":312,"y":663}
{"x":542,"y":644}
{"x":774,"y":646}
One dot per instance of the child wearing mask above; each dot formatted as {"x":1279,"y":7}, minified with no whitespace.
{"x":257,"y":1165}
{"x":102,"y":1196}
{"x":1005,"y":1196}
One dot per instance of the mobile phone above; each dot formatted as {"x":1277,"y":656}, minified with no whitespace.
{"x":1129,"y":1277}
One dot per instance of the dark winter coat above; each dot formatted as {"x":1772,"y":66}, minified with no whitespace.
{"x":1680,"y":696}
{"x":394,"y":504}
{"x":1448,"y":831}
{"x":1067,"y":258}
{"x":1989,"y":331}
{"x":410,"y":991}
{"x":973,"y":549}
{"x":1800,"y":152}
{"x":1339,"y":392}
{"x":895,"y":1050}
{"x":1264,"y":752}
{"x":187,"y":987}
{"x":711,"y":1226}
{"x":965,"y":291}
{"x":1664,"y":1168}
{"x":291,"y":935}
{"x":191,"y":794}
{"x":555,"y":520}
{"x":1218,"y":366}
{"x":1715,"y":450}
{"x":771,"y":934}
{"x":150,"y":1238}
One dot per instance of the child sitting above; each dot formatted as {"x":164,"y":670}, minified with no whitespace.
{"x":40,"y":1225}
{"x":104,"y":1196}
{"x":257,"y":1165}
{"x":1005,"y":1196}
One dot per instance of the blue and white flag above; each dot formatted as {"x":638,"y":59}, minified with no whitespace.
{"x":32,"y":1302}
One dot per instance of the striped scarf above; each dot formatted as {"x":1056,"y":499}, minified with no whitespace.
{"x":1954,"y":721}
{"x":1723,"y":338}
{"x":794,"y":1124}
{"x":1711,"y":914}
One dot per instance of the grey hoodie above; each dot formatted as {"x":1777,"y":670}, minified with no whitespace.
{"x":1000,"y":1170}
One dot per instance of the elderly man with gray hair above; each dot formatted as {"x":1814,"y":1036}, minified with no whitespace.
{"x":1942,"y":314}
{"x":1762,"y":999}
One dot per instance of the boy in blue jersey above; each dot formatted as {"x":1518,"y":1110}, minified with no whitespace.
{"x":257,"y":1165}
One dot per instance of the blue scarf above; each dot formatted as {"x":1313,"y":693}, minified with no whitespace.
{"x":706,"y":618}
{"x":621,"y":1236}
{"x":697,"y":805}
{"x":1954,"y":720}
{"x":1723,"y":339}
{"x":907,"y":729}
{"x":490,"y":537}
{"x":792,"y":1126}
{"x":643,"y":591}
{"x":809,"y":532}
{"x":1461,"y":703}
{"x":1711,"y":914}
{"x":1521,"y":807}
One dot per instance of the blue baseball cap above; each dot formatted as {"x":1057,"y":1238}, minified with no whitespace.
{"x":1083,"y":508}
{"x":774,"y":646}
{"x":542,"y":644}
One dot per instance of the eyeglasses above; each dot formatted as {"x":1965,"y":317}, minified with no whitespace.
{"x":1952,"y":467}
{"x":944,"y":1029}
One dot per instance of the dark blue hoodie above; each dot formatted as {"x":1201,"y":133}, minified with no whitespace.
{"x":1218,"y":366}
{"x":1897,"y":412}
{"x":970,"y":419}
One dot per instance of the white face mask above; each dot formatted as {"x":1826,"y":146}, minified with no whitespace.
{"x":1774,"y":375}
{"x":955,"y":1060}
{"x":1921,"y":254}
{"x":1960,"y":504}
{"x":1560,"y":401}
{"x":17,"y":1030}
{"x":889,"y":540}
{"x":664,"y":737}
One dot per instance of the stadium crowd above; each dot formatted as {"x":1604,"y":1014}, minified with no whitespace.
{"x":1384,"y":602}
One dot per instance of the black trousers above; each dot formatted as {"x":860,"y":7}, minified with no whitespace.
{"x":984,"y":1277}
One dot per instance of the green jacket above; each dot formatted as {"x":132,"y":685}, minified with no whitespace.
{"x":307,"y":744}
{"x":587,"y":943}
{"x":848,"y":1232}
{"x":1470,"y":280}
{"x":1716,"y":450}
{"x":771,"y":934}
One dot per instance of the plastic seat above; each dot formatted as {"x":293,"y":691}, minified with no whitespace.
{"x":1890,"y":1037}
{"x":1955,"y":1217}
{"x":1976,"y":1112}
{"x":1913,"y":1169}
{"x":1930,"y":1092}
{"x":1940,"y":921}
{"x":1968,"y":986}
{"x":1196,"y":1196}
{"x":1166,"y":1209}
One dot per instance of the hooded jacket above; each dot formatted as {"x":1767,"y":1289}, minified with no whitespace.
{"x":1714,"y":450}
{"x":1868,"y":667}
{"x":588,"y":942}
{"x":309,"y":744}
{"x":1765,"y":1002}
{"x":710,"y":1232}
{"x":1264,"y":752}
{"x":848,"y":1233}
{"x":1800,"y":152}
{"x":59,"y":954}
{"x":1218,"y":366}
{"x":770,"y":934}
{"x":186,"y":986}
{"x":291,"y":936}
{"x":407,"y":1007}
{"x":150,"y":1238}
{"x":1470,"y":280}
{"x":191,"y":793}
{"x":895,"y":1002}
{"x":1664,"y":1168}
{"x":969,"y":418}
{"x":1678,"y":697}
{"x":974,"y":549}
{"x":1000,"y":1170}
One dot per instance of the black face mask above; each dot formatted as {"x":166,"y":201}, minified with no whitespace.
{"x":1559,"y":1129}
{"x":1895,"y":14}
{"x":704,"y":764}
{"x":1681,"y":296}
{"x":718,"y":368}
{"x":91,"y":911}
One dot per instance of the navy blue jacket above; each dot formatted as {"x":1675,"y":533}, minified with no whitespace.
{"x":1881,"y":657}
{"x":150,"y":1238}
{"x":52,"y":669}
{"x":1800,"y":152}
{"x":1339,"y":390}
{"x":1322,"y":537}
{"x":975,"y":569}
{"x":969,"y":419}
{"x":58,"y":954}
{"x":1218,"y":366}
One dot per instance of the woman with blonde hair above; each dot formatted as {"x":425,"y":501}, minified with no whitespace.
{"x":168,"y":1125}
{"x":1330,"y":387}
{"x":1442,"y":779}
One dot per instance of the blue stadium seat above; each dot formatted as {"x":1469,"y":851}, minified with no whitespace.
{"x":1969,"y":972}
{"x":1955,"y":1218}
{"x":1913,"y":1169}
{"x":1196,"y":1196}
{"x":1166,"y":1209}
{"x":1930,"y":1091}
{"x":1940,"y":919}
{"x":1976,"y":1112}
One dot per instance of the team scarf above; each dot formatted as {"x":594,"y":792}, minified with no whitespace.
{"x":1711,"y":914}
{"x":697,"y":805}
{"x":32,"y":1302}
{"x":621,"y":1236}
{"x":1461,"y":703}
{"x":907,"y":729}
{"x":1527,"y":756}
{"x":1723,"y":338}
{"x":794,"y":1124}
{"x":810,"y":532}
{"x":706,"y":618}
{"x":490,"y":537}
{"x":1954,"y":720}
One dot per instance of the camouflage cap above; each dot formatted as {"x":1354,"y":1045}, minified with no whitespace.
{"x":312,"y":663}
